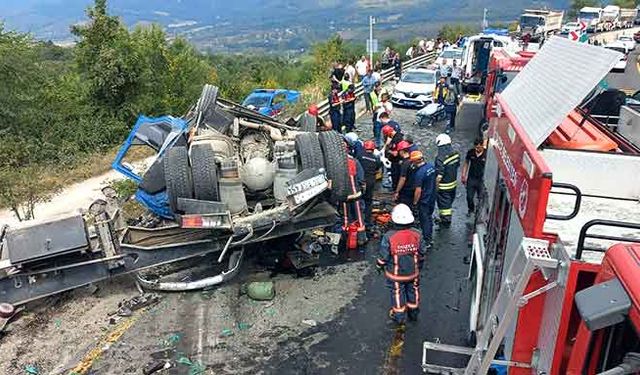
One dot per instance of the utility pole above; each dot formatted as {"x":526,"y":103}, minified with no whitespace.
{"x":484,"y":20}
{"x":372,"y":21}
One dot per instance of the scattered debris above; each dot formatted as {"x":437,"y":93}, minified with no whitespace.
{"x":195,"y":368}
{"x":226,"y":333}
{"x":156,"y":366}
{"x":310,"y":322}
{"x":243,"y":326}
{"x":173,"y":339}
{"x":261,"y":290}
{"x":31,"y":370}
{"x":127,"y":307}
{"x":270,"y":311}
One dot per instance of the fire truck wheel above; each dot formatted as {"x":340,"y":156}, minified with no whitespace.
{"x":335,"y":161}
{"x":153,"y":180}
{"x":207,"y":102}
{"x":308,"y":123}
{"x":178,"y":175}
{"x":204,"y":172}
{"x":7,"y":310}
{"x":309,"y":151}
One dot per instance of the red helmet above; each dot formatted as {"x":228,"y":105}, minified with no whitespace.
{"x":369,"y":145}
{"x":387,"y":130}
{"x":313,"y":110}
{"x":403,"y":145}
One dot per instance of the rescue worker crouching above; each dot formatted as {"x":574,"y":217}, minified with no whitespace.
{"x":402,"y":251}
{"x":424,"y":197}
{"x":447,"y":164}
{"x":356,"y":147}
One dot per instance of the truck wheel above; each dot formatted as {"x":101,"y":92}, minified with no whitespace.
{"x":335,"y":161}
{"x":177,"y":175}
{"x":309,"y":151}
{"x":205,"y":173}
{"x":207,"y":102}
{"x":308,"y":123}
{"x":153,"y":180}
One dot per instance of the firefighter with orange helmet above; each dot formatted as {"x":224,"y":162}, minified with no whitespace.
{"x":402,"y":251}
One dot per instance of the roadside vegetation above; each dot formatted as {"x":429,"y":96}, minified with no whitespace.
{"x":65,"y":111}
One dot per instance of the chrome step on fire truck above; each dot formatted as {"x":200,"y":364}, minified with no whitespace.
{"x":555,"y":264}
{"x":223,"y":177}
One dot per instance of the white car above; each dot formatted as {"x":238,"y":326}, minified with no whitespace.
{"x":570,"y":26}
{"x":450,"y":54}
{"x":415,"y":88}
{"x":628,"y":41}
{"x":621,"y":65}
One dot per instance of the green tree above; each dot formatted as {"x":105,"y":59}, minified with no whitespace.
{"x":450,"y":32}
{"x":625,"y":3}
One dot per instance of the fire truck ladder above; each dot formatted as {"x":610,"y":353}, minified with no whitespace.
{"x":533,"y":254}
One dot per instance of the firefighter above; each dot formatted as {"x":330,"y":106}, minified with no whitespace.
{"x":335,"y":112}
{"x":424,"y":196}
{"x":404,"y":190}
{"x":401,"y":257}
{"x":393,"y":137}
{"x":356,"y":147}
{"x":440,"y":93}
{"x":371,"y":164}
{"x":352,"y":208}
{"x":447,"y":163}
{"x":348,"y":104}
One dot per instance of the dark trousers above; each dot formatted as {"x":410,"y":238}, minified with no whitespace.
{"x":336,"y":119}
{"x":474,"y":188}
{"x":349,"y":116}
{"x":367,"y":101}
{"x":367,"y":197}
{"x":455,"y":82}
{"x":425,"y":212}
{"x":451,"y":115}
{"x":395,"y":174}
{"x":405,"y":297}
{"x":377,"y":132}
{"x":445,"y":200}
{"x":406,"y":199}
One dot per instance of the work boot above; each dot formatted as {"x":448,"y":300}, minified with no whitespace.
{"x":413,"y":314}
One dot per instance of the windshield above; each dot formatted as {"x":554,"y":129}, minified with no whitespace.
{"x":257,"y":101}
{"x":531,"y":21}
{"x":624,"y":38}
{"x":419,"y":77}
{"x":587,"y":15}
{"x":571,"y":24}
{"x":451,"y":54}
{"x":500,"y":85}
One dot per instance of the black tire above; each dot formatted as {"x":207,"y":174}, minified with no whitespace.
{"x":177,"y":175}
{"x":308,"y":123}
{"x":335,"y":162}
{"x":309,"y":151}
{"x":206,"y":104}
{"x":205,"y":173}
{"x":153,"y":180}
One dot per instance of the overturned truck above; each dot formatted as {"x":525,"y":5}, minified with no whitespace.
{"x":221,"y":177}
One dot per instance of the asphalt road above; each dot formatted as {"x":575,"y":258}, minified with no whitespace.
{"x":361,"y":340}
{"x":629,"y":80}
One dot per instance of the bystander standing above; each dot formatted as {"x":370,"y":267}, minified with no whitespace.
{"x":473,"y":173}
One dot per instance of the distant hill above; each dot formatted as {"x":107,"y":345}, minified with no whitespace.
{"x":264,"y":24}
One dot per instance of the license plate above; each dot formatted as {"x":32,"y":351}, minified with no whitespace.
{"x":301,"y":192}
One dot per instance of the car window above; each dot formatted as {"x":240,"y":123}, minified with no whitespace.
{"x":419,"y":77}
{"x":257,"y":101}
{"x":617,"y":49}
{"x":451,"y":54}
{"x":279,"y":98}
{"x":624,"y":38}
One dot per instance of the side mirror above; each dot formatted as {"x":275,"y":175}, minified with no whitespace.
{"x":503,"y":78}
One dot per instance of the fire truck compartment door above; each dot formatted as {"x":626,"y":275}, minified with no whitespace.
{"x":554,"y":82}
{"x":594,"y":173}
{"x":603,"y":305}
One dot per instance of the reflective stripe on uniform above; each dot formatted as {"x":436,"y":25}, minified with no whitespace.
{"x":451,"y":159}
{"x":446,"y":211}
{"x":448,"y":185}
{"x":393,"y":277}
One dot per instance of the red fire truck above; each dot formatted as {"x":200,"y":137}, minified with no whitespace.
{"x":555,"y":276}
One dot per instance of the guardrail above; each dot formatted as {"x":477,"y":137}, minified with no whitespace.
{"x":387,"y":75}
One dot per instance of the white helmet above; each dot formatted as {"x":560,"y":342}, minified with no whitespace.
{"x":351,"y":138}
{"x":443,"y":139}
{"x":402,"y":215}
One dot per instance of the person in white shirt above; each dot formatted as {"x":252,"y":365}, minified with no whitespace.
{"x":456,"y":76}
{"x":351,"y":71}
{"x":362,"y":66}
{"x":430,"y":45}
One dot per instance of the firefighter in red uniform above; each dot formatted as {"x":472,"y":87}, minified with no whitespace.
{"x":402,"y":251}
{"x":353,"y":208}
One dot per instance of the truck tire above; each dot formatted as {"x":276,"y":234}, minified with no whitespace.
{"x":177,"y":175}
{"x":308,"y":123}
{"x":153,"y":180}
{"x":204,"y":172}
{"x":309,"y":151}
{"x":206,"y":104}
{"x":335,"y":162}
